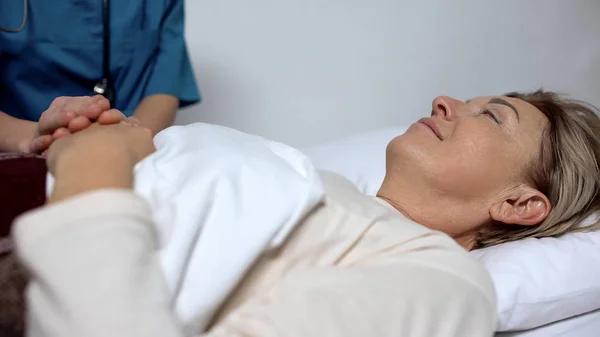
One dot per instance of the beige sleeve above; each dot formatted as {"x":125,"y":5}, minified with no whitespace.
{"x":93,"y":268}
{"x":405,"y":299}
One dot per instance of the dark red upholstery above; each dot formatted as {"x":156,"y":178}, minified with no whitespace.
{"x":22,"y":186}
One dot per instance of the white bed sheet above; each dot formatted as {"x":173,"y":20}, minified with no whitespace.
{"x":586,"y":325}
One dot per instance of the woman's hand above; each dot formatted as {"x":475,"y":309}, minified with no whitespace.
{"x":101,"y":156}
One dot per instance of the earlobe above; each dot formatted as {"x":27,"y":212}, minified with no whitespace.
{"x":528,"y":207}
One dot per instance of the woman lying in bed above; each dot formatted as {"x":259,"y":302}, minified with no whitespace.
{"x":485,"y":171}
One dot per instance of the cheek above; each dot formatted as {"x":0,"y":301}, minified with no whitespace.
{"x":476,"y":157}
{"x":476,"y":163}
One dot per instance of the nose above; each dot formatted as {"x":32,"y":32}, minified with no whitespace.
{"x":445,"y":106}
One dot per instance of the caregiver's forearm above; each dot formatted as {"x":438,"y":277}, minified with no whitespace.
{"x":94,"y":269}
{"x":157,"y":112}
{"x":15,"y":133}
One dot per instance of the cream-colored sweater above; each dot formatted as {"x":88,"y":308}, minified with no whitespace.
{"x":354,"y":267}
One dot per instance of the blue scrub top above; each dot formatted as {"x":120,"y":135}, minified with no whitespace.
{"x":59,"y":53}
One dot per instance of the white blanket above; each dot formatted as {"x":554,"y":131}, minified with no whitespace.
{"x":220,"y":198}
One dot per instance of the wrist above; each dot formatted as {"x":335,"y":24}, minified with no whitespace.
{"x":80,"y":173}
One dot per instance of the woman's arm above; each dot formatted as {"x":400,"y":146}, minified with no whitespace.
{"x":94,"y":269}
{"x":91,"y":251}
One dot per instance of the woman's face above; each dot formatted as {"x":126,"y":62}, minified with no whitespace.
{"x":471,"y":151}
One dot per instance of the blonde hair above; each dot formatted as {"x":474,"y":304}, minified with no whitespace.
{"x":566,"y":170}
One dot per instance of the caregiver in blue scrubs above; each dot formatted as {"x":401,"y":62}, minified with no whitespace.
{"x":56,"y":48}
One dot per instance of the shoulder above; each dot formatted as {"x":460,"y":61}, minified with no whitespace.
{"x":389,"y":238}
{"x":342,"y":193}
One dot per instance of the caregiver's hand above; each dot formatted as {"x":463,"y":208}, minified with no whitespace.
{"x":101,"y":156}
{"x":68,"y":115}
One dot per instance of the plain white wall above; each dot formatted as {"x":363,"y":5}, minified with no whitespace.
{"x":307,"y":71}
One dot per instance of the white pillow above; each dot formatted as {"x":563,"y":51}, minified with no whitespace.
{"x":538,"y":281}
{"x":359,"y":158}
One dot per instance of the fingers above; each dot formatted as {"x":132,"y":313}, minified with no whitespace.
{"x":102,"y":101}
{"x":41,"y":144}
{"x":112,"y":116}
{"x":64,"y":109}
{"x":54,"y":120}
{"x":134,"y":121}
{"x":60,"y":132}
{"x":76,"y":114}
{"x":90,"y":107}
{"x":78,"y":123}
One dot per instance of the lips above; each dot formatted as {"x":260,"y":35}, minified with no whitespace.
{"x":428,"y":122}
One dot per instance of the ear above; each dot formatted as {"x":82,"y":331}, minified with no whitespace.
{"x":525,"y":206}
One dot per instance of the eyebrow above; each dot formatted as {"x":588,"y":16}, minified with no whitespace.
{"x":497,"y":100}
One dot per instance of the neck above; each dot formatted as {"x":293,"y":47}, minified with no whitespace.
{"x":467,"y":240}
{"x":431,"y":208}
{"x":396,"y":205}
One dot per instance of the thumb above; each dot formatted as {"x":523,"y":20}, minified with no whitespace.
{"x":39,"y":144}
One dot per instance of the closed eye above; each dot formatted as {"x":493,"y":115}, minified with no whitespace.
{"x":492,"y":116}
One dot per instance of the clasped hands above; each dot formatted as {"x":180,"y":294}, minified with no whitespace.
{"x":88,"y":145}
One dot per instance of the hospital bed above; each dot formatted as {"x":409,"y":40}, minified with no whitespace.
{"x":586,"y":325}
{"x":572,"y":303}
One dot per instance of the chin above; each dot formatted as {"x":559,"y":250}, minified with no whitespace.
{"x":409,"y":146}
{"x":407,"y":154}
